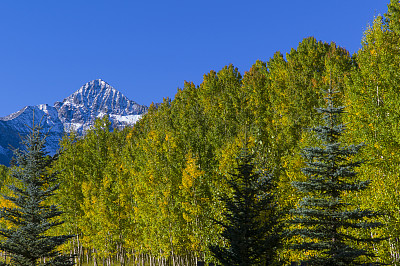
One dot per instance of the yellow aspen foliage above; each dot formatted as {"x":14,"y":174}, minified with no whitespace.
{"x":190,"y":173}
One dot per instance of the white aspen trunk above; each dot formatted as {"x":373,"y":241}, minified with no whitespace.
{"x":94,"y":258}
{"x":377,"y":95}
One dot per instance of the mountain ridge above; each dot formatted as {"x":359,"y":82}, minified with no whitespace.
{"x":77,"y":112}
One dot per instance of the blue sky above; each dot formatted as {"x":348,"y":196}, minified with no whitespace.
{"x":147,"y":49}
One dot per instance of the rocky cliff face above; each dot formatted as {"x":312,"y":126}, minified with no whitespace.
{"x":93,"y":100}
{"x":75,"y":113}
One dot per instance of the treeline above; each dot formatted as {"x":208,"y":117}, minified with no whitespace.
{"x":148,"y":193}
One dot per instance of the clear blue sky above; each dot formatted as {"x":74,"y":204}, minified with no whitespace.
{"x":147,"y":49}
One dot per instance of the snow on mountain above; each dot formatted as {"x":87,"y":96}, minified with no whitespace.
{"x":94,"y":100}
{"x":77,"y":113}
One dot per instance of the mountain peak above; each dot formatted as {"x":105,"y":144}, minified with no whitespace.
{"x":96,"y":99}
{"x":99,"y":96}
{"x":95,"y":86}
{"x":99,"y":83}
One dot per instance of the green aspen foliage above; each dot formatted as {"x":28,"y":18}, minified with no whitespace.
{"x":373,"y":100}
{"x":393,"y":16}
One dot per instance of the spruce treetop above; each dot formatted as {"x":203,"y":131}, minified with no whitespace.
{"x":324,"y":216}
{"x":252,"y":228}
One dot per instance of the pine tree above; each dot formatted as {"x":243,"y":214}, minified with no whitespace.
{"x":323,"y":213}
{"x":252,"y":227}
{"x":27,"y":240}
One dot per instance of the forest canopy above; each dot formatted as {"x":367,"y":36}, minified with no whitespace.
{"x":149,"y":192}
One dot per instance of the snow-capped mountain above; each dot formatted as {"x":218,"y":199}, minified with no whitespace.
{"x":93,"y":100}
{"x":77,"y":113}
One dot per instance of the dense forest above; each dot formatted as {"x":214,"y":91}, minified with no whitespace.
{"x":151,"y":192}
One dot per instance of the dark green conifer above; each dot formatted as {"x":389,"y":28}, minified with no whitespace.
{"x":323,"y":213}
{"x":252,"y":228}
{"x":27,"y":239}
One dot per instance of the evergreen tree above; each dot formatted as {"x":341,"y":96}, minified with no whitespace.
{"x":27,"y":239}
{"x":324,"y":216}
{"x":252,"y":227}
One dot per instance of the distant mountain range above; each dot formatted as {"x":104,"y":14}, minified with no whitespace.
{"x":77,"y":113}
